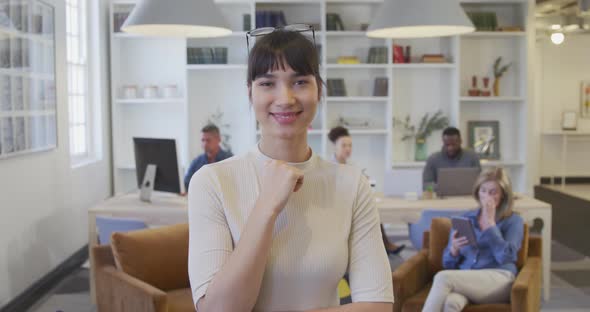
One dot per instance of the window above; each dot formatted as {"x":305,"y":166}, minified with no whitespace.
{"x":78,"y":90}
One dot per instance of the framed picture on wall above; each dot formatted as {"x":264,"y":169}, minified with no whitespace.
{"x":484,"y":138}
{"x":28,"y":107}
{"x":585,"y":99}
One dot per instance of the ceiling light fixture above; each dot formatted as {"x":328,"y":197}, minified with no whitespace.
{"x":176,"y":18}
{"x":419,"y":18}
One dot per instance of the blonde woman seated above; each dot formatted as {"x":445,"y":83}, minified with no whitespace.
{"x":485,"y":273}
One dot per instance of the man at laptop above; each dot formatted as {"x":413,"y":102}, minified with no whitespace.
{"x":450,"y":156}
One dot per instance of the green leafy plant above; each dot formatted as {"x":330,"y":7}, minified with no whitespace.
{"x":499,"y":71}
{"x":427,"y":125}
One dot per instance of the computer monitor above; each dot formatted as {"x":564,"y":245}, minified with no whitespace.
{"x":156,"y":165}
{"x":456,"y":181}
{"x":403,"y":183}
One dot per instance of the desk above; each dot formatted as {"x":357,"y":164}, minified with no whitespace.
{"x":398,"y":210}
{"x":164,"y":209}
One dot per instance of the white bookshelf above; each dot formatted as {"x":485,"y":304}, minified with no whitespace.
{"x":413,"y":89}
{"x":142,"y":61}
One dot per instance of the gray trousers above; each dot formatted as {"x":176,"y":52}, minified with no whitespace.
{"x":453,"y":289}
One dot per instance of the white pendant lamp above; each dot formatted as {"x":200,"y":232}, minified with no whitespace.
{"x":176,"y":18}
{"x":420,"y":18}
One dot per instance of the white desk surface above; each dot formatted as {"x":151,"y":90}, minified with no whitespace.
{"x":455,"y":202}
{"x":130,"y":203}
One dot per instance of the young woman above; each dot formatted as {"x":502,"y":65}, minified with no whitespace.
{"x":482,"y":274}
{"x":340,"y":137}
{"x":276,"y":229}
{"x":342,"y":141}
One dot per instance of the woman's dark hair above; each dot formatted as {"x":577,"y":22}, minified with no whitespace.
{"x":336,"y":133}
{"x":281,"y":48}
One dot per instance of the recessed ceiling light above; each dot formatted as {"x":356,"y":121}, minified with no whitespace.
{"x":557,"y":38}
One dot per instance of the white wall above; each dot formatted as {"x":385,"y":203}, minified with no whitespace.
{"x":560,"y":70}
{"x":43,"y":202}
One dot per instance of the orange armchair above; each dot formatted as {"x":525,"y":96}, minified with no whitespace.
{"x":413,"y":279}
{"x":145,"y":270}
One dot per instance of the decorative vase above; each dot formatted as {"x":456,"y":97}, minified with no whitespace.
{"x":497,"y":86}
{"x":420,"y":151}
{"x":486,"y":87}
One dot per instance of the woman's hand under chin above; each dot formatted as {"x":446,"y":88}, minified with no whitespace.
{"x":279,"y":180}
{"x":488,"y":213}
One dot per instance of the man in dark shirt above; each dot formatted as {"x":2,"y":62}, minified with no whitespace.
{"x":451,"y":156}
{"x":210,"y":140}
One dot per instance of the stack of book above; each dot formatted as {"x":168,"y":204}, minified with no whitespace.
{"x":270,"y":19}
{"x":216,"y":55}
{"x":348,"y":60}
{"x":484,"y":21}
{"x":377,"y":55}
{"x":433,"y":58}
{"x":334,"y":22}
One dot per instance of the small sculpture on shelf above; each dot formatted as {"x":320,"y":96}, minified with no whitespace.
{"x":499,"y":71}
{"x":474,"y":91}
{"x":486,"y":87}
{"x":353,"y":122}
{"x":427,"y":125}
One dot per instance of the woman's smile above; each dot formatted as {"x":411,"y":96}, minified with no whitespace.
{"x":285,"y":118}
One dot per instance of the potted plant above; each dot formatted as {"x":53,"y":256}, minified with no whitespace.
{"x":427,"y":125}
{"x":499,"y":71}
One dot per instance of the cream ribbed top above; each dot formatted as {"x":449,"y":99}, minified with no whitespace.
{"x":329,"y":226}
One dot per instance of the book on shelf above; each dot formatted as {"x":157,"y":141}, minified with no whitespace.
{"x":484,"y":21}
{"x":433,"y":58}
{"x":348,"y":60}
{"x":336,"y":87}
{"x":118,"y":20}
{"x":215,"y":55}
{"x":270,"y":18}
{"x":398,"y":54}
{"x":380,"y":87}
{"x":377,"y":55}
{"x":334,"y":22}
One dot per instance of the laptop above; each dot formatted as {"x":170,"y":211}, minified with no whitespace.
{"x":456,"y":181}
{"x":402,"y":182}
